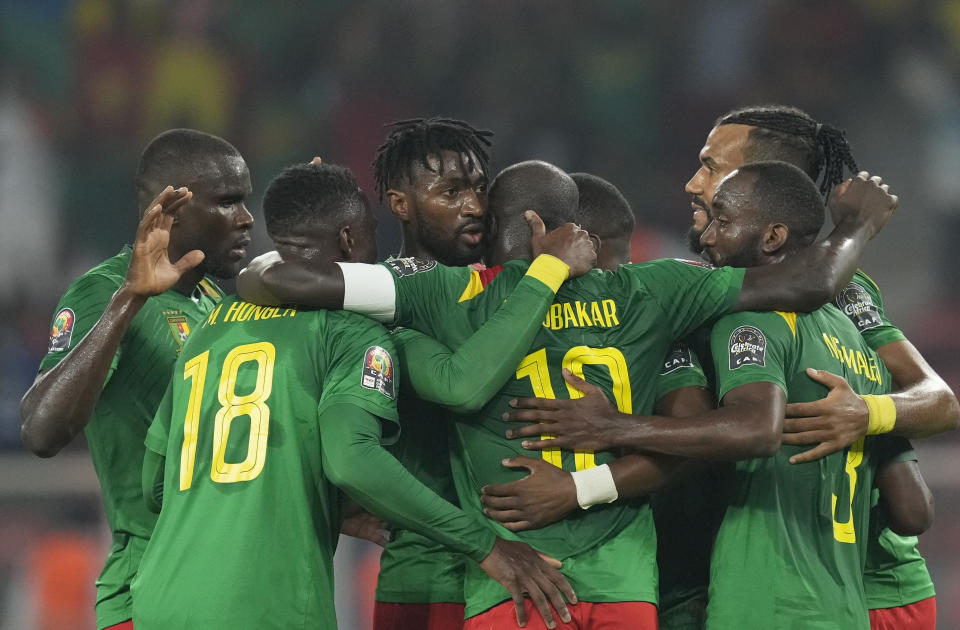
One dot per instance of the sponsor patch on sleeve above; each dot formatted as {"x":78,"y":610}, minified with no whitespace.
{"x":378,"y":371}
{"x":409,"y":266}
{"x":748,"y":346}
{"x":62,"y":330}
{"x":679,"y":357}
{"x":857,"y":304}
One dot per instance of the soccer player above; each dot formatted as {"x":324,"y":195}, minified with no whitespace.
{"x":249,"y":516}
{"x":433,"y":174}
{"x":120,"y":326}
{"x":657,"y":302}
{"x":925,"y":405}
{"x":787,"y":550}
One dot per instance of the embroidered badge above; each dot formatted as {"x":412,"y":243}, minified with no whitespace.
{"x":857,"y":304}
{"x":679,"y":357}
{"x":409,"y":266}
{"x":180,"y":329}
{"x":748,"y":346}
{"x":378,"y":371}
{"x":62,"y":330}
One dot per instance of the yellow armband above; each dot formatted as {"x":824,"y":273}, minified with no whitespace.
{"x":883,"y":414}
{"x":549,"y":270}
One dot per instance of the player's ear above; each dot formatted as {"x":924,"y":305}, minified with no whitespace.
{"x":398,"y":203}
{"x":775,"y":237}
{"x":346,"y":243}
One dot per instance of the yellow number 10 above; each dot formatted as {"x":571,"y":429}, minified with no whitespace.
{"x":534,"y":366}
{"x":232,"y":405}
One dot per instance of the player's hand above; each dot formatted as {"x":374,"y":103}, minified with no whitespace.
{"x":541,"y":498}
{"x":250,"y":285}
{"x":362,"y":524}
{"x":863,"y":200}
{"x":832,"y":423}
{"x":569,"y":242}
{"x":585,"y":423}
{"x":523,"y":571}
{"x":150,"y":271}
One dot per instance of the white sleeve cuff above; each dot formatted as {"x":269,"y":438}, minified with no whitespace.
{"x":369,"y":290}
{"x":594,"y":486}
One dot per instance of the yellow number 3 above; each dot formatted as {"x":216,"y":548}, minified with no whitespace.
{"x":232,"y":405}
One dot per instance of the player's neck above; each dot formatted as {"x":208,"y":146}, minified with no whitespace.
{"x":411,"y":248}
{"x":313,"y":253}
{"x":188,"y":282}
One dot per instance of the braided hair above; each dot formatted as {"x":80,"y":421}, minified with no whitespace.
{"x":412,"y":141}
{"x":792,"y":135}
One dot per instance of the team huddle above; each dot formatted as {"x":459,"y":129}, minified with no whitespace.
{"x":557,"y":437}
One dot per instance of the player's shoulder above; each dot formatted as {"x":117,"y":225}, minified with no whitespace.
{"x":351,"y":323}
{"x":762,"y":324}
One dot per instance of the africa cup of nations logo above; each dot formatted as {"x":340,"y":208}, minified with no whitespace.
{"x":378,"y":371}
{"x":62,"y":330}
{"x":748,"y":346}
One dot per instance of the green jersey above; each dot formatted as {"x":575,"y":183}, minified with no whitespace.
{"x":250,"y":520}
{"x":896,"y":574}
{"x":790,"y":550}
{"x":138,"y":376}
{"x":612,"y":328}
{"x":414,"y":568}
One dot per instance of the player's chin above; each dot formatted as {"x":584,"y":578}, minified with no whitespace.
{"x":226,"y":268}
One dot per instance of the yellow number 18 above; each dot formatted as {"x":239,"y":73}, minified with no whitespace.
{"x":232,"y":406}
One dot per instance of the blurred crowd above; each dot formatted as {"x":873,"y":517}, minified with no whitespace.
{"x":627,"y":90}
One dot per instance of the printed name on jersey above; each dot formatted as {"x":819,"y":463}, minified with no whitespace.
{"x":409,"y":266}
{"x":378,"y":371}
{"x":748,"y":346}
{"x":180,"y":329}
{"x":857,"y":304}
{"x":679,"y":357}
{"x":62,"y":330}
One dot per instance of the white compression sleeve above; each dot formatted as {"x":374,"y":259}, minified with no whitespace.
{"x":369,"y":290}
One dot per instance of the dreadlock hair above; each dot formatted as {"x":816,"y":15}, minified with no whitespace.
{"x":791,"y":135}
{"x":411,"y":142}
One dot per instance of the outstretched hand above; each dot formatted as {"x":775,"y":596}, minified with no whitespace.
{"x":150,"y":271}
{"x":585,"y":422}
{"x":569,"y":242}
{"x":523,"y":571}
{"x":541,"y":498}
{"x":832,"y":423}
{"x":863,"y":199}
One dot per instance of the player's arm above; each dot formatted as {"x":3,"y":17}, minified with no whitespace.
{"x":151,"y":480}
{"x":369,"y":289}
{"x":466,"y":379}
{"x":905,"y":498}
{"x":61,"y":400}
{"x":355,"y":461}
{"x":808,"y":279}
{"x":549,"y":493}
{"x":747,"y":424}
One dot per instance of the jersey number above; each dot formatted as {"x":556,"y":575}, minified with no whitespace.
{"x":844,"y":532}
{"x":534,"y":366}
{"x":232,"y":406}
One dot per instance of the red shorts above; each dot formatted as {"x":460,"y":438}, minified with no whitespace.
{"x":583,"y":616}
{"x":417,"y":616}
{"x":123,"y":625}
{"x":920,"y":615}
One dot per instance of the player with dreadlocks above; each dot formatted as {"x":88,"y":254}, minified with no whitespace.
{"x":897,"y":583}
{"x":433,"y":174}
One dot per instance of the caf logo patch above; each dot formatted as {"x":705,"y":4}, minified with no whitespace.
{"x":180,"y":329}
{"x":409,"y":266}
{"x":679,"y":357}
{"x":748,"y":346}
{"x":62,"y":330}
{"x":378,"y":371}
{"x":857,"y":304}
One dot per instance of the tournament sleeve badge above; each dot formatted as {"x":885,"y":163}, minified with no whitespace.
{"x":748,"y":346}
{"x":62,"y":330}
{"x":679,"y":357}
{"x":378,"y":371}
{"x":857,"y":304}
{"x":409,"y":266}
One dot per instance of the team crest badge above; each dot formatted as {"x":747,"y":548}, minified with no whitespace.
{"x":180,"y":329}
{"x":378,"y":371}
{"x":857,"y":304}
{"x":748,"y":346}
{"x":679,"y":357}
{"x":62,"y":330}
{"x":409,"y":266}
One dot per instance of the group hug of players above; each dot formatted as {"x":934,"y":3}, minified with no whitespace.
{"x":556,"y":438}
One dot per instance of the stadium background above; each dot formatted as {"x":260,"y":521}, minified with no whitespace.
{"x":627,"y":90}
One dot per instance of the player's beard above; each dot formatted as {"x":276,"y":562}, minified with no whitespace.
{"x":693,"y":240}
{"x":747,"y":255}
{"x":446,"y":250}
